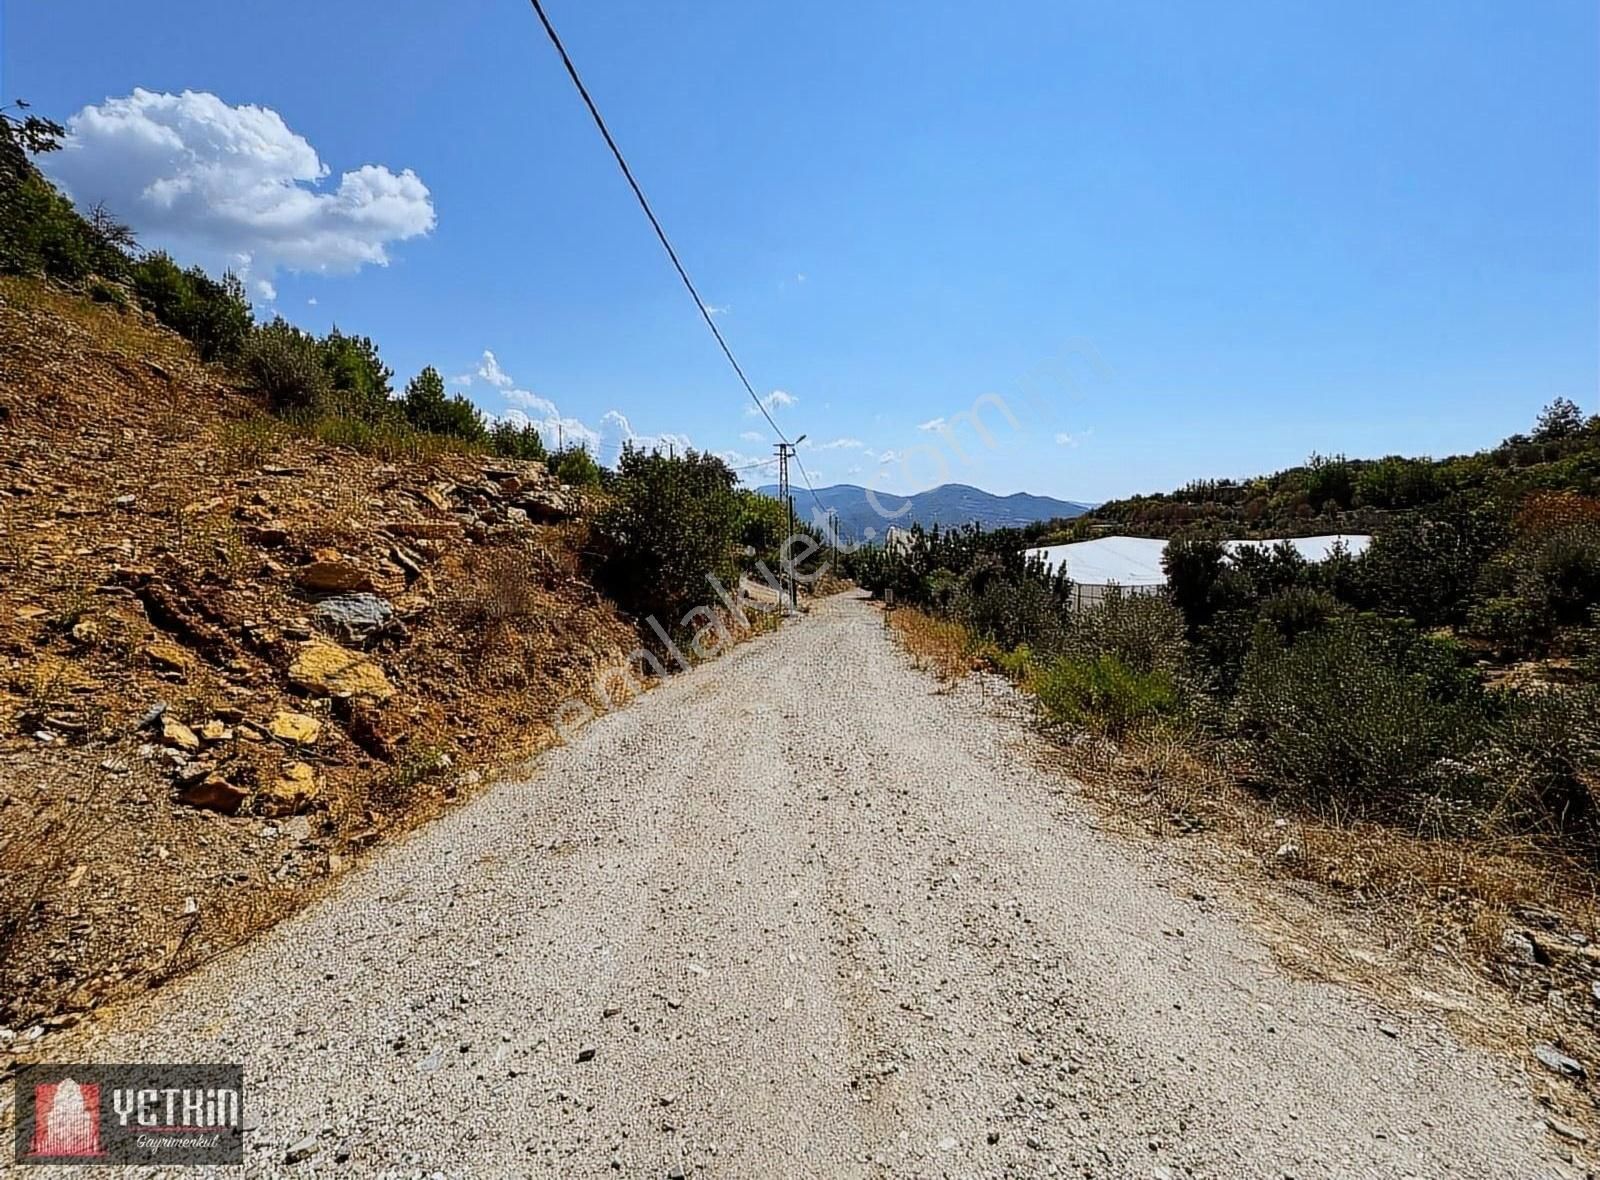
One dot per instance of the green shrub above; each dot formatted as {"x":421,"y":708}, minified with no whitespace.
{"x":511,"y":441}
{"x":1011,"y":603}
{"x":1511,"y":625}
{"x":1355,"y":718}
{"x":671,"y":523}
{"x":1427,"y":568}
{"x":1297,"y":611}
{"x":212,"y":314}
{"x":41,"y":233}
{"x":284,"y":365}
{"x":1015,"y":664}
{"x":1103,"y":693}
{"x":358,"y":380}
{"x":1543,"y":761}
{"x":427,"y":407}
{"x":575,"y":466}
{"x":1143,"y":632}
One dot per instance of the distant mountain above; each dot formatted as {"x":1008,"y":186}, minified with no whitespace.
{"x":947,"y":505}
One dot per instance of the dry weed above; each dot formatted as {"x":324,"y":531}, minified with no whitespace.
{"x":936,"y":645}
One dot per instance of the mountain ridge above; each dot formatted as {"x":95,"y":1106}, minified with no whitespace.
{"x":948,"y":505}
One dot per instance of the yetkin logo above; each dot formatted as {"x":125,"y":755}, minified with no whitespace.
{"x":162,"y":1115}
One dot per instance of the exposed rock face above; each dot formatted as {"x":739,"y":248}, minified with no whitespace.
{"x":178,"y":735}
{"x":168,"y":656}
{"x":333,"y":577}
{"x":357,"y":619}
{"x":325,"y":669}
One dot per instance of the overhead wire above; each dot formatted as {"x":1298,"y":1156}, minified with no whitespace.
{"x":661,"y":234}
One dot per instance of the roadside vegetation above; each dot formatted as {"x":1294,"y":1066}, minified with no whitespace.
{"x":1425,"y":716}
{"x":1444,"y":680}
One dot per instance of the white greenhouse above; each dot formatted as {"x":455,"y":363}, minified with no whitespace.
{"x":1133,"y":564}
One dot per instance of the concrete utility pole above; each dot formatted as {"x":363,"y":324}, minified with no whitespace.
{"x":786,"y":498}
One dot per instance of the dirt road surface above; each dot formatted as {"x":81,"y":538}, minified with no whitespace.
{"x":814,"y":918}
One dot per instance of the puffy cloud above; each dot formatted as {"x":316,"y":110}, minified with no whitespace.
{"x":234,"y":186}
{"x":555,"y":428}
{"x":616,"y":430}
{"x":604,"y":441}
{"x":265,"y":291}
{"x":776,"y":400}
{"x":489,"y":369}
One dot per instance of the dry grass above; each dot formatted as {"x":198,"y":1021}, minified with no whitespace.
{"x":935,"y":645}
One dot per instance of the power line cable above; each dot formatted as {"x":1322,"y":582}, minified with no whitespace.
{"x":616,"y":152}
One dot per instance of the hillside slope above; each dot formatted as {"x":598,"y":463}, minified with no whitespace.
{"x":232,"y":655}
{"x":948,"y":506}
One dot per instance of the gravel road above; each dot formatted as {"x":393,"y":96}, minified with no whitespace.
{"x":814,"y":918}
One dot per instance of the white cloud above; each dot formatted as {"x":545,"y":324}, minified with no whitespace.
{"x":932,"y":424}
{"x":489,"y":369}
{"x":844,"y":444}
{"x":756,"y":469}
{"x":714,"y":310}
{"x":265,"y":291}
{"x":776,"y":400}
{"x":604,"y":441}
{"x":533,"y":409}
{"x":529,"y":400}
{"x":1063,"y":439}
{"x":752,"y":436}
{"x":616,"y":430}
{"x":888,"y":457}
{"x":234,"y":186}
{"x":312,"y":302}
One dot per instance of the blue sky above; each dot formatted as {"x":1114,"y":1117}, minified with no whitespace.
{"x":1176,"y":240}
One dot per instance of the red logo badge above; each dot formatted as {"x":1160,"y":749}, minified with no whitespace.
{"x":66,"y":1120}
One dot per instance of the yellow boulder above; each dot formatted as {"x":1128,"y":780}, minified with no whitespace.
{"x":326,"y":669}
{"x":176,"y":733}
{"x":299,"y":728}
{"x":293,"y":791}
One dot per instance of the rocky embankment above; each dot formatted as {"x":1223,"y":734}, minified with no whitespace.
{"x":233,"y":655}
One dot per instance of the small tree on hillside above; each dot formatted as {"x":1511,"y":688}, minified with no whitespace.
{"x":360,"y":379}
{"x":514,"y":441}
{"x":428,"y":407}
{"x":672,"y":522}
{"x":575,"y":465}
{"x":1560,"y":419}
